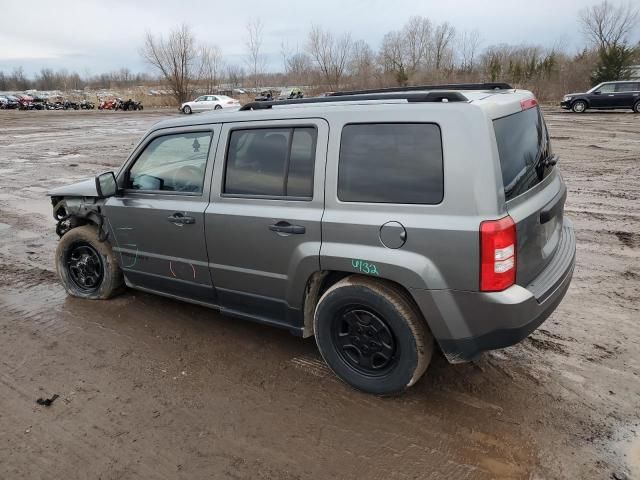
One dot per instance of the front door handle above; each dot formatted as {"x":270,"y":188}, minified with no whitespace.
{"x":181,"y":219}
{"x":286,"y":227}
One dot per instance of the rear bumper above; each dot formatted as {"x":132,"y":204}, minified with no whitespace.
{"x":467,"y":323}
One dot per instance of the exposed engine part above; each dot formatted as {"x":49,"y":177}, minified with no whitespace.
{"x":73,"y":212}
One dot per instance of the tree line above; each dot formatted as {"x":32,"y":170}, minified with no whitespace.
{"x":421,"y":52}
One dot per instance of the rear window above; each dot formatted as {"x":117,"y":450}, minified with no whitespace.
{"x":391,"y":163}
{"x":523,"y":145}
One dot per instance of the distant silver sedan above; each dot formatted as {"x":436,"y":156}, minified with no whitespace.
{"x":209,"y":102}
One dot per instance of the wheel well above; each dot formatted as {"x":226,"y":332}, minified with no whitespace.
{"x":319,"y":282}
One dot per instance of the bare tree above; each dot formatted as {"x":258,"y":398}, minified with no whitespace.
{"x":363,"y":65}
{"x":255,"y":59}
{"x":175,"y":59}
{"x":417,"y":39}
{"x":443,"y":37}
{"x":469,"y":50}
{"x":18,"y":79}
{"x":607,"y":25}
{"x":235,"y":75}
{"x":297,"y":65}
{"x":406,"y":51}
{"x":211,"y":66}
{"x":331,"y":54}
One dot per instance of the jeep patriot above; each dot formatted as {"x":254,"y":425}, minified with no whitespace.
{"x":386,"y":223}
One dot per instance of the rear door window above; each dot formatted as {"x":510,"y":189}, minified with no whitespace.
{"x":523,"y":145}
{"x":274,"y":162}
{"x":627,"y":87}
{"x":391,"y":163}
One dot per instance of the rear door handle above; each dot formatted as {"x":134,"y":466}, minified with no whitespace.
{"x":286,"y":227}
{"x":181,"y":219}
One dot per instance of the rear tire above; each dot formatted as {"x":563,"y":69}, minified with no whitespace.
{"x":579,"y":106}
{"x":86,"y":266}
{"x":636,"y":107}
{"x":218,"y":107}
{"x":372,"y":335}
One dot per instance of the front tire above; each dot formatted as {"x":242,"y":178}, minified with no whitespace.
{"x":579,"y":106}
{"x":636,"y":107}
{"x":187,"y":109}
{"x":86,"y":266}
{"x":372,"y":335}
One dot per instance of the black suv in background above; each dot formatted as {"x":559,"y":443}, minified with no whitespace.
{"x":607,"y":95}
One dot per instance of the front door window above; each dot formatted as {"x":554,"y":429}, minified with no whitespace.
{"x":172,"y":163}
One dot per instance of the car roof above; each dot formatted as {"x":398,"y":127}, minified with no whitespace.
{"x":495,"y":103}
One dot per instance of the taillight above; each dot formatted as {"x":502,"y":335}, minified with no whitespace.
{"x":497,"y":254}
{"x":229,"y":102}
{"x":528,"y":103}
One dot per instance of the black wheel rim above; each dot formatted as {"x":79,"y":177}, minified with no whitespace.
{"x":85,"y":267}
{"x":364,"y":341}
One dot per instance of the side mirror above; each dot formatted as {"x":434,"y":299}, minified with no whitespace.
{"x":597,"y":92}
{"x":106,"y":185}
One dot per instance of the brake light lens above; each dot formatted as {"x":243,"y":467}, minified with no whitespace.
{"x":528,"y":103}
{"x":497,"y":254}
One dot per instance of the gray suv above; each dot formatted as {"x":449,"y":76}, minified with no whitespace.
{"x":383,"y":222}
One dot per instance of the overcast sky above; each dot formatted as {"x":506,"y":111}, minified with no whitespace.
{"x":97,"y":36}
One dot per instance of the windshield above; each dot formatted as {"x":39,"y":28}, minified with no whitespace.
{"x":523,"y":145}
{"x":594,"y":88}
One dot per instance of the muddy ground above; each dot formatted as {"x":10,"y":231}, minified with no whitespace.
{"x":154,"y":388}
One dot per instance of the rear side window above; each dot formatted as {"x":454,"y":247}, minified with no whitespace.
{"x":523,"y":145}
{"x":627,"y":87}
{"x":391,"y":163}
{"x":275,"y":162}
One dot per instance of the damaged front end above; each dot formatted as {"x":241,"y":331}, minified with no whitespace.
{"x":76,"y":205}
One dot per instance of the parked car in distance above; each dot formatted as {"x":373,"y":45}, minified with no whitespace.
{"x":8,"y":102}
{"x":364,"y":225}
{"x":209,"y":102}
{"x":290,"y":93}
{"x":25,"y":102}
{"x":127,"y":105}
{"x":39,"y":103}
{"x":608,"y":95}
{"x":265,"y":96}
{"x":87,"y":105}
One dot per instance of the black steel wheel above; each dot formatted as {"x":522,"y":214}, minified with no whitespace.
{"x":364,"y":340}
{"x":85,"y":266}
{"x":372,"y":335}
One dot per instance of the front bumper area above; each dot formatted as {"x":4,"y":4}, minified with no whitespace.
{"x":566,"y":104}
{"x":467,"y":323}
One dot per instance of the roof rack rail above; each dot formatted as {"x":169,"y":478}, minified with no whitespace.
{"x":414,"y":88}
{"x":438,"y":96}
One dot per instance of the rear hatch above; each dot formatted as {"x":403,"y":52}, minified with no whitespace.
{"x":534,"y":190}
